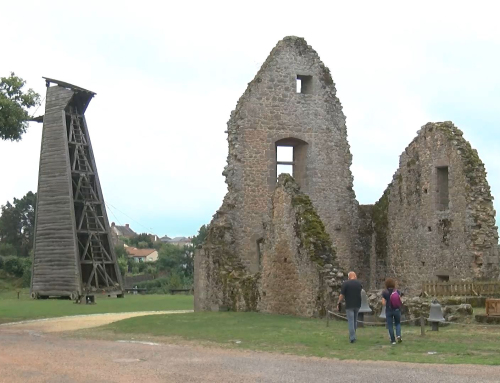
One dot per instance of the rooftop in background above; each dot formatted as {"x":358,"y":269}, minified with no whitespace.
{"x":134,"y":252}
{"x":123,"y":231}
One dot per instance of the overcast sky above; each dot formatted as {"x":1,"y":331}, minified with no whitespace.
{"x":167,"y":75}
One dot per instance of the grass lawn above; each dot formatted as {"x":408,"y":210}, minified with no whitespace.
{"x":12,"y":309}
{"x":311,"y":337}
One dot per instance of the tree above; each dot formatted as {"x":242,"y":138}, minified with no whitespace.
{"x":17,"y":224}
{"x":176,"y":260}
{"x":14,"y":105}
{"x":123,"y":264}
{"x":200,"y":237}
{"x":141,"y":241}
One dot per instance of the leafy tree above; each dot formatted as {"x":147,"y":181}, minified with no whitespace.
{"x":17,"y":224}
{"x":121,"y":252}
{"x":6,"y":249}
{"x":176,"y":260}
{"x":135,"y":269}
{"x":14,"y":105}
{"x":123,"y":264}
{"x":151,"y":270}
{"x":14,"y":266}
{"x":200,"y":237}
{"x":139,"y":240}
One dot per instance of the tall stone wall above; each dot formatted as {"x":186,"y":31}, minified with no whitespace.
{"x":436,"y":219}
{"x":270,"y":112}
{"x":299,"y":273}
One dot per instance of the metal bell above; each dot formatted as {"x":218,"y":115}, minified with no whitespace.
{"x":365,"y":307}
{"x":382,"y":313}
{"x":435,"y":315}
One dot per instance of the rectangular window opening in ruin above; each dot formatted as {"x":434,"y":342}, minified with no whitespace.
{"x":304,"y":84}
{"x":284,"y":160}
{"x":442,"y":188}
{"x":260,"y":243}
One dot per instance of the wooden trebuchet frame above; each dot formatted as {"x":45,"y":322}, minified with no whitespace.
{"x":73,"y":252}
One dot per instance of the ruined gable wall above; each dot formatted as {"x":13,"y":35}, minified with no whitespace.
{"x":271,"y":110}
{"x":416,"y":239}
{"x":300,"y":275}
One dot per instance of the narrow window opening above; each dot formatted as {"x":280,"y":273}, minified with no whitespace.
{"x":285,"y":260}
{"x":284,"y":160}
{"x":442,"y":188}
{"x":425,"y":190}
{"x":423,"y":263}
{"x":429,"y":228}
{"x":260,"y":243}
{"x":304,"y":84}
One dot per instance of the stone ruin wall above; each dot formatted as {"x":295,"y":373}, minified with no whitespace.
{"x":299,"y":273}
{"x":406,"y":234}
{"x":271,"y":110}
{"x":422,"y":233}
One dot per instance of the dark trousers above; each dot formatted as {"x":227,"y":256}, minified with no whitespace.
{"x":393,"y":317}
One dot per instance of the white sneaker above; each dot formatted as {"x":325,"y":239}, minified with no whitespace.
{"x":393,"y":342}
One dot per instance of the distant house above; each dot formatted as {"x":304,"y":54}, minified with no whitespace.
{"x":142,"y":255}
{"x":154,"y":238}
{"x":122,"y":231}
{"x":180,"y":241}
{"x":165,"y":239}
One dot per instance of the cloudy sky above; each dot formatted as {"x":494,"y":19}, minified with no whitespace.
{"x":167,"y":75}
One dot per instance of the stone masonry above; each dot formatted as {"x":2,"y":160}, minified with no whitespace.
{"x":434,"y":221}
{"x":271,"y":112}
{"x":299,"y":273}
{"x":436,"y":218}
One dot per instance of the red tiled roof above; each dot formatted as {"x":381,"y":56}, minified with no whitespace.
{"x":134,"y":252}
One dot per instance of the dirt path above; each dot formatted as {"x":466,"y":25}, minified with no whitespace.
{"x":78,"y":322}
{"x":29,"y":357}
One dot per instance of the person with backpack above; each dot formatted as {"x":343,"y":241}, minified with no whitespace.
{"x":391,"y":298}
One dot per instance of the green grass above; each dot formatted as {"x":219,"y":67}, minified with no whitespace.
{"x":13,"y":309}
{"x":311,"y":337}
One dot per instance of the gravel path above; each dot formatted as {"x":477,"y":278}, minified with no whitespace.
{"x":78,"y":322}
{"x":28,"y":356}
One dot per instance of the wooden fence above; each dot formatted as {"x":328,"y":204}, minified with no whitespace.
{"x":448,"y":289}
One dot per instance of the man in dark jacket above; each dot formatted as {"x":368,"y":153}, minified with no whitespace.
{"x":351,"y":292}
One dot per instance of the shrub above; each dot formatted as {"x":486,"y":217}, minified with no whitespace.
{"x":6,"y":249}
{"x":26,"y":272}
{"x":14,"y":266}
{"x":1,"y":262}
{"x":164,"y":284}
{"x":123,"y":264}
{"x":142,"y":266}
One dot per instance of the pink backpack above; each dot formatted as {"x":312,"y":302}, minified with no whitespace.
{"x":395,"y":300}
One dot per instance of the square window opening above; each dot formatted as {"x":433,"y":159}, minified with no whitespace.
{"x":304,"y":84}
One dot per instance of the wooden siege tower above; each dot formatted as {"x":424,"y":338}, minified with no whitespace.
{"x":73,"y":252}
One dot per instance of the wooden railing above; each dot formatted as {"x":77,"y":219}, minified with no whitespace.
{"x":453,"y":288}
